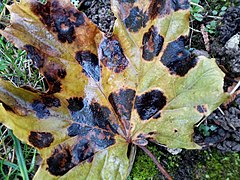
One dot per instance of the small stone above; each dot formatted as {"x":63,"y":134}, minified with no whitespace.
{"x":233,"y":43}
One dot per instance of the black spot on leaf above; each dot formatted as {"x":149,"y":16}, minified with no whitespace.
{"x":152,"y":44}
{"x":149,"y":104}
{"x":82,"y":151}
{"x":177,"y":59}
{"x":112,"y":56}
{"x":201,"y":108}
{"x":51,"y":101}
{"x":102,"y":139}
{"x":163,"y":7}
{"x":58,"y":19}
{"x":41,"y":109}
{"x":136,"y":20}
{"x":60,"y":162}
{"x":157,"y":115}
{"x":61,"y":73}
{"x":122,"y":103}
{"x":43,"y":11}
{"x":77,"y":129}
{"x":155,"y":8}
{"x":53,"y":82}
{"x":89,"y":63}
{"x":92,"y":115}
{"x":75,"y":104}
{"x":65,"y":29}
{"x":34,"y":54}
{"x":40,"y":139}
{"x":79,"y":19}
{"x":179,"y":4}
{"x":127,"y":1}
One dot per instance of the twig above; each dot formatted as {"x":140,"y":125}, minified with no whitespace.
{"x":159,"y":166}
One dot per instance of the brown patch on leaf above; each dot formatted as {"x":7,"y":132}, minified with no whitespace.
{"x":149,"y":103}
{"x":53,"y":73}
{"x":112,"y":55}
{"x":122,"y":103}
{"x":93,"y":115}
{"x":202,"y":108}
{"x":60,"y":162}
{"x":61,"y":20}
{"x":40,"y":139}
{"x":41,"y":110}
{"x":75,"y":104}
{"x":35,"y":55}
{"x":136,"y":19}
{"x":177,"y":59}
{"x":50,"y":101}
{"x":89,"y":63}
{"x":163,"y":7}
{"x":152,"y":44}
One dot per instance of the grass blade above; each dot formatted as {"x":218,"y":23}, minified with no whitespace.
{"x":20,"y":158}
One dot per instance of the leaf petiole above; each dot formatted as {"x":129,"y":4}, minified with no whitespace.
{"x":159,"y":166}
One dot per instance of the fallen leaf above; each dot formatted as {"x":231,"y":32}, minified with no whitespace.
{"x":105,"y":93}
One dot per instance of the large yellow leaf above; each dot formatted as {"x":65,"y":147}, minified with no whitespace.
{"x":104,"y":93}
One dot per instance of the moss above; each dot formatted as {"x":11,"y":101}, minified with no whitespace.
{"x":222,"y":165}
{"x":144,"y":167}
{"x":190,"y":164}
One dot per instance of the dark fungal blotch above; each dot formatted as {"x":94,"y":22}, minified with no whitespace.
{"x":149,"y":104}
{"x":60,"y":162}
{"x":177,"y":59}
{"x":152,"y":44}
{"x":89,"y":63}
{"x":201,"y":108}
{"x":78,"y":130}
{"x":82,"y":151}
{"x":179,"y":4}
{"x":112,"y":55}
{"x":75,"y":104}
{"x":122,"y":103}
{"x":136,"y":20}
{"x":163,"y":7}
{"x":61,"y":20}
{"x":90,"y":115}
{"x":127,"y":1}
{"x":41,"y":109}
{"x":54,"y":73}
{"x":50,"y":101}
{"x":61,"y":73}
{"x":40,"y":139}
{"x":35,"y":55}
{"x":156,"y":7}
{"x":54,"y":84}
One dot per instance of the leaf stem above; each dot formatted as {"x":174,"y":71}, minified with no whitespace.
{"x":159,"y":166}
